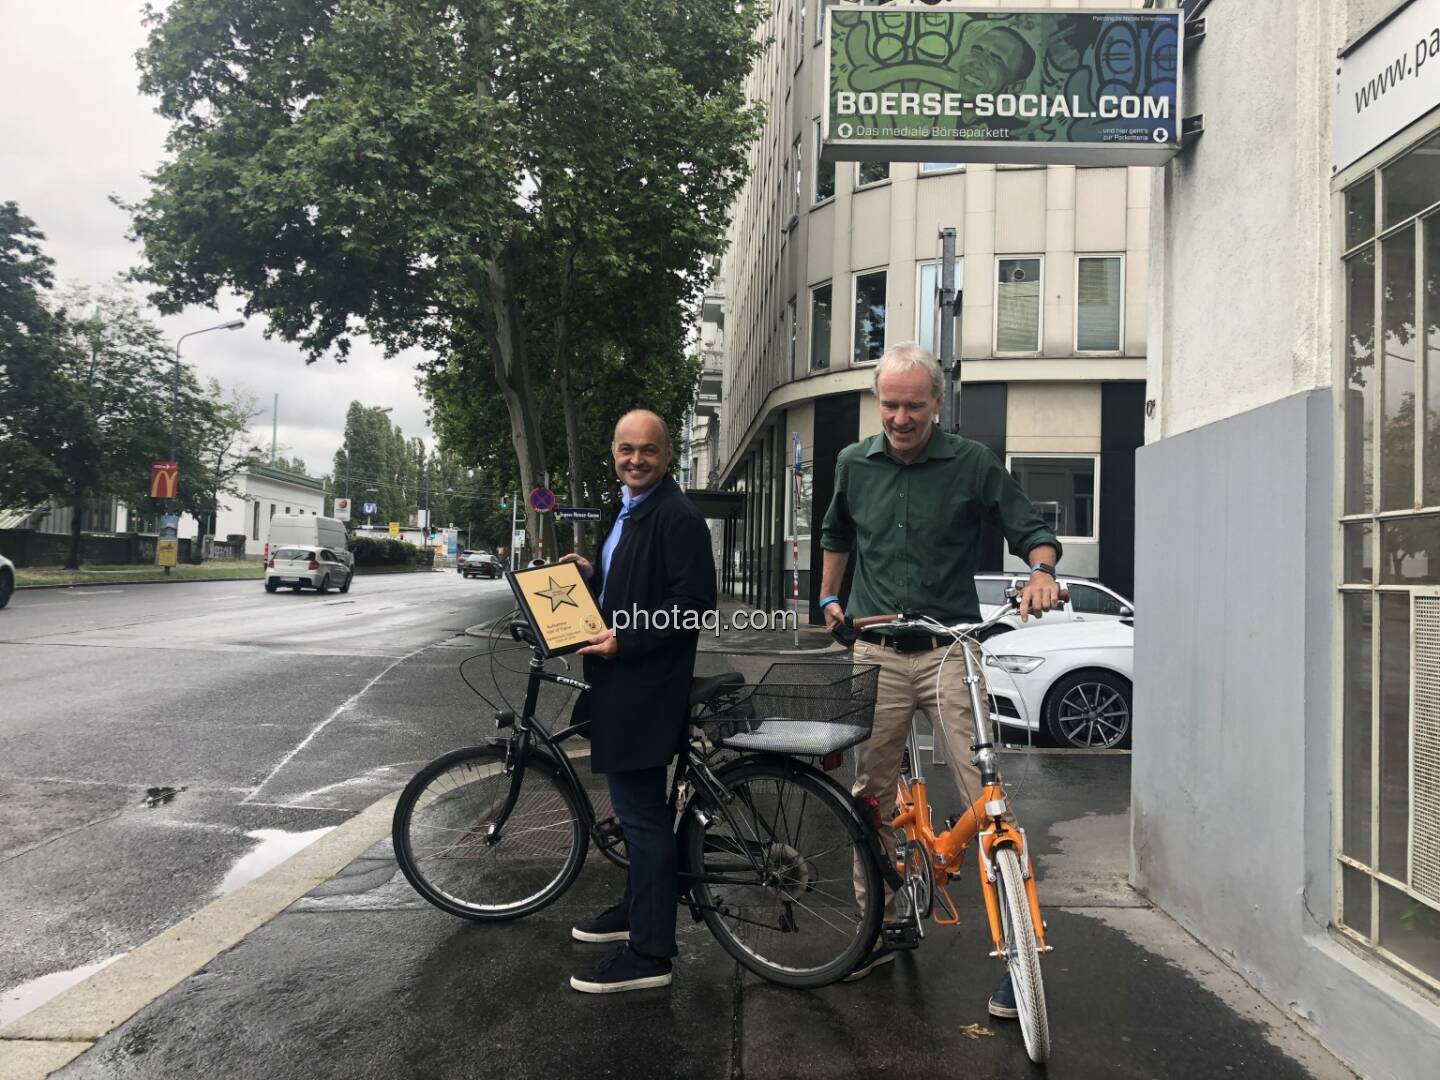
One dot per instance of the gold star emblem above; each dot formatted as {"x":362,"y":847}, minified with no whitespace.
{"x":558,"y":595}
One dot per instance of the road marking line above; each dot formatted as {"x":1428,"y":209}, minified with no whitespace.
{"x":342,"y":708}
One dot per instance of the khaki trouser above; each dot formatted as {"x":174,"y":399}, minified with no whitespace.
{"x":907,"y":685}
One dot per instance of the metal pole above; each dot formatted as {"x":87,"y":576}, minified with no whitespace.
{"x":948,"y":358}
{"x":514,"y":512}
{"x":274,"y":426}
{"x":795,"y":559}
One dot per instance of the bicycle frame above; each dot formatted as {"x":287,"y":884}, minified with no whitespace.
{"x":983,"y":819}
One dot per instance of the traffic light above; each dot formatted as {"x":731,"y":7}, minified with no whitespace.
{"x":504,"y":502}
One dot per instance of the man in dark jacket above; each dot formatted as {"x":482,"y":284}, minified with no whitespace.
{"x":655,"y":569}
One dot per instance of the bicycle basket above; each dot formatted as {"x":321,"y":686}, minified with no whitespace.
{"x":808,"y":710}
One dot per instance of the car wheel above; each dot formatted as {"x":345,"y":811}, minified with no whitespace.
{"x":7,"y":587}
{"x":271,"y":585}
{"x":324,"y":586}
{"x":348,"y":578}
{"x":1090,"y":710}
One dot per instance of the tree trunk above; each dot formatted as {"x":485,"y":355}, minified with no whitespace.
{"x":506,"y":338}
{"x":77,"y":513}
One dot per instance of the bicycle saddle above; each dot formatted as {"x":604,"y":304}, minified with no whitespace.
{"x":703,"y":688}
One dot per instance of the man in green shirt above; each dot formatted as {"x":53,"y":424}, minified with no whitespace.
{"x":909,"y":504}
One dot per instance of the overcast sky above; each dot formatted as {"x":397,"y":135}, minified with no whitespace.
{"x":74,"y":129}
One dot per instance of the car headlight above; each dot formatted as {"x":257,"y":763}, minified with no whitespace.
{"x":1020,"y":665}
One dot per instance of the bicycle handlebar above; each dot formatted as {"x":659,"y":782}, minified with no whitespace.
{"x":852,"y":627}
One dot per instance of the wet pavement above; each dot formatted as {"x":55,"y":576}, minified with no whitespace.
{"x":361,"y":978}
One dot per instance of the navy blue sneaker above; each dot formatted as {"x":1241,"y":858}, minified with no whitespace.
{"x":881,"y":954}
{"x":1002,"y":1000}
{"x":612,"y":924}
{"x":624,"y":969}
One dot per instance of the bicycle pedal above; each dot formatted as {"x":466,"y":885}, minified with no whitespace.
{"x":902,"y":936}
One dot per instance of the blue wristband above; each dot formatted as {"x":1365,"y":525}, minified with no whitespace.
{"x":826,"y":601}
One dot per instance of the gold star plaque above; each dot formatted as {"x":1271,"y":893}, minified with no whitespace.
{"x":557,"y":604}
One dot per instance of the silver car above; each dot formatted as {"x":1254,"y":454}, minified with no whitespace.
{"x":304,"y":567}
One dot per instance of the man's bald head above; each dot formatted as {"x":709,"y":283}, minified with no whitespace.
{"x":641,"y":449}
{"x":642,"y":424}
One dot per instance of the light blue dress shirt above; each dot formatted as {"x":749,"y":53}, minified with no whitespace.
{"x":627,"y":503}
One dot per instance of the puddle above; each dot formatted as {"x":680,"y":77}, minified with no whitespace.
{"x":27,"y":997}
{"x":276,"y":845}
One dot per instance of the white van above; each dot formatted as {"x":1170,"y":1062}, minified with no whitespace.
{"x":309,"y":530}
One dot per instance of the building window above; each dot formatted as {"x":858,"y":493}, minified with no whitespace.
{"x":794,"y":339}
{"x":1017,"y":305}
{"x":1387,"y":894}
{"x":1099,"y":303}
{"x":820,"y":10}
{"x":869,"y":317}
{"x":1063,"y":489}
{"x":927,"y":306}
{"x":799,"y":181}
{"x":820,"y":327}
{"x":272,"y":510}
{"x":799,"y":33}
{"x":871,"y":172}
{"x":255,"y":521}
{"x":824,"y":170}
{"x":939,"y":166}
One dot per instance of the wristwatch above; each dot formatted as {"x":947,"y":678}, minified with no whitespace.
{"x":1043,"y":568}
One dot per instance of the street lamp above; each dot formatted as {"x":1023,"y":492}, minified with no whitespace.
{"x":233,"y":324}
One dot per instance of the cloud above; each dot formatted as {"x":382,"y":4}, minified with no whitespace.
{"x":78,"y":130}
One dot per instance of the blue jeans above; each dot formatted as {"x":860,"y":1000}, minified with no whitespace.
{"x":652,"y":886}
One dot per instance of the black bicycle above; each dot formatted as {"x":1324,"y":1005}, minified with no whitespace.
{"x":769,"y":845}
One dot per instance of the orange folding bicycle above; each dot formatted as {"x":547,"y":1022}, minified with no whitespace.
{"x":927,"y":860}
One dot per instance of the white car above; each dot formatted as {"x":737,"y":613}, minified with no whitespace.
{"x":1076,"y":678}
{"x":305,"y":567}
{"x":1090,"y":601}
{"x":7,"y":580}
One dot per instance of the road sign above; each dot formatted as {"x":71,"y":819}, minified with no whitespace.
{"x":518,"y":539}
{"x":577,"y":513}
{"x":370,"y":508}
{"x":394,"y":530}
{"x":342,"y":509}
{"x":542,"y":500}
{"x":167,"y":552}
{"x":164,"y":479}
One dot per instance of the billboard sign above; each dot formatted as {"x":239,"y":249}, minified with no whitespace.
{"x":1388,"y":78}
{"x":1017,"y":86}
{"x":342,"y":509}
{"x":164,"y":479}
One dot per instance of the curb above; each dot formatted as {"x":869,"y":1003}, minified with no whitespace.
{"x":66,"y":1026}
{"x":201,"y":581}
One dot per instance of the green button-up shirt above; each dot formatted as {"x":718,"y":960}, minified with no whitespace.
{"x":913,"y":530}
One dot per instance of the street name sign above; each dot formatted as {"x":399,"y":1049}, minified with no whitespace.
{"x":910,"y":82}
{"x":577,"y":513}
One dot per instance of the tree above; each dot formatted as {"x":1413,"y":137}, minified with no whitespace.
{"x":468,"y":177}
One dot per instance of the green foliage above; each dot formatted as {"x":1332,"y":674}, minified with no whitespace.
{"x":527,"y":188}
{"x":373,"y":551}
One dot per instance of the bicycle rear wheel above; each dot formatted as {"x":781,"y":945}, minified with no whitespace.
{"x":782,"y":855}
{"x":1022,"y":955}
{"x":458,"y":854}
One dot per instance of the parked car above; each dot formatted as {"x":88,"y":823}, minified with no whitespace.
{"x":312,"y":531}
{"x":1077,"y":678}
{"x":307,"y":568}
{"x":1090,"y":601}
{"x":479,"y":564}
{"x":7,"y":580}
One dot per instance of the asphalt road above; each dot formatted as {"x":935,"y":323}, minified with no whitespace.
{"x":278,"y":715}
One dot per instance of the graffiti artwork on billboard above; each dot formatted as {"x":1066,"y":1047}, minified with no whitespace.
{"x":1053,"y":78}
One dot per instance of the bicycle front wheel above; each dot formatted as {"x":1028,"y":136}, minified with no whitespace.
{"x":459,"y":853}
{"x":1022,"y":955}
{"x":775,"y":872}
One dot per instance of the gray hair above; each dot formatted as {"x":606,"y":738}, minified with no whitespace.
{"x":908,"y":356}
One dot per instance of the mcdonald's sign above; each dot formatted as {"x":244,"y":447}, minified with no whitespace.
{"x":164,"y":479}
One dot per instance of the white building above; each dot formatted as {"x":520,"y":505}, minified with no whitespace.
{"x":1286,"y":803}
{"x":264,"y":492}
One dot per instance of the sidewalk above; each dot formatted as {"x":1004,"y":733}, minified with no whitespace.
{"x":359,"y":977}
